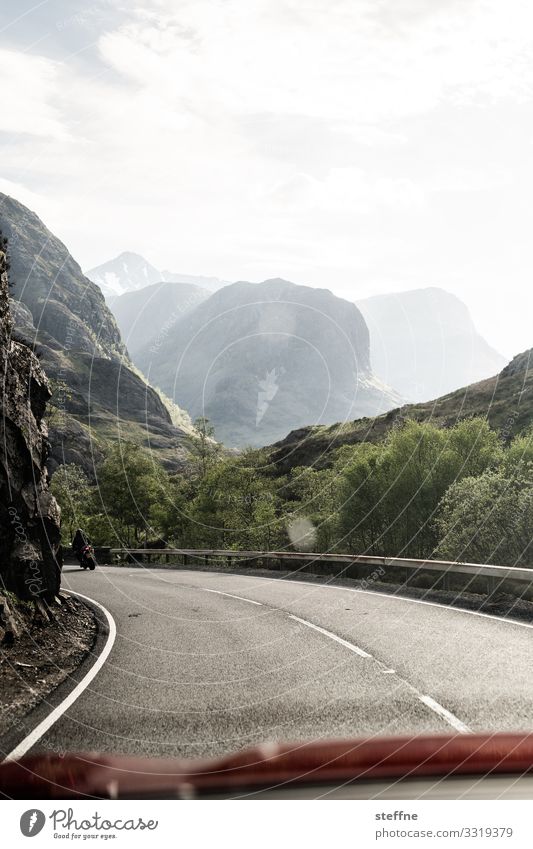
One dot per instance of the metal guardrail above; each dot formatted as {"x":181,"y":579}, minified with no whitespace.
{"x":444,"y":574}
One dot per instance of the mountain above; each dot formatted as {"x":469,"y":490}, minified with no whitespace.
{"x":505,"y":400}
{"x":212,"y":284}
{"x":59,"y":312}
{"x":146,"y":316}
{"x":129,"y":272}
{"x":259,"y":359}
{"x":424,"y":343}
{"x":126,"y":273}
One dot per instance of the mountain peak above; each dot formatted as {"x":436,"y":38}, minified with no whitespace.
{"x":259,"y":359}
{"x":129,"y":272}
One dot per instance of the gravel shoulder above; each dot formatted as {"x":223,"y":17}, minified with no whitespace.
{"x":42,"y":656}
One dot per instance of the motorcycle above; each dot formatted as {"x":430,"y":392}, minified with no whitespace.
{"x":86,"y":557}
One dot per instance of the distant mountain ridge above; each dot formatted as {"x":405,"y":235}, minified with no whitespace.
{"x":261,"y":358}
{"x":425,"y":344}
{"x":63,"y":315}
{"x":147,"y":315}
{"x":130,"y":272}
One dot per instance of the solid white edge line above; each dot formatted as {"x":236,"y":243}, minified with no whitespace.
{"x":450,"y":718}
{"x":328,"y":586}
{"x":332,"y":636}
{"x":229,"y":595}
{"x":32,"y":738}
{"x":452,"y":608}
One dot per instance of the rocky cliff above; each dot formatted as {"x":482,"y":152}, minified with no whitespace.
{"x":97,"y":394}
{"x":259,"y":359}
{"x":424,"y":343}
{"x":29,"y":515}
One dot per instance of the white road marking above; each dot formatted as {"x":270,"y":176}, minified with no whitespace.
{"x":450,"y":718}
{"x":328,"y":586}
{"x":437,"y":708}
{"x":229,"y":595}
{"x":337,"y":639}
{"x":448,"y":607}
{"x":35,"y":735}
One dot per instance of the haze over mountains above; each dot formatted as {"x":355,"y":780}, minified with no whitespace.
{"x":261,"y":359}
{"x":64,"y":316}
{"x":146,"y":315}
{"x":425,"y":344}
{"x":258,"y":359}
{"x":129,"y":272}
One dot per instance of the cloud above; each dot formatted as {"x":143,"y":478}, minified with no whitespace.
{"x":29,"y":84}
{"x":355,"y":140}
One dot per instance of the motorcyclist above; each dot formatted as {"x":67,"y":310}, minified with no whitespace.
{"x":79,"y":542}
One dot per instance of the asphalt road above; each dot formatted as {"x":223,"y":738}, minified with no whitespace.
{"x":197,"y":669}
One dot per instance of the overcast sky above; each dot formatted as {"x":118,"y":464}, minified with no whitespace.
{"x":360,"y":145}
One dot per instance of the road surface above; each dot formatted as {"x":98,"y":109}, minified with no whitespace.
{"x":206,"y":663}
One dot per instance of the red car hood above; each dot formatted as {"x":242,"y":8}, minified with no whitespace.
{"x":105,"y":776}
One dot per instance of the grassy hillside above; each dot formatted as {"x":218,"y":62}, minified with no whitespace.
{"x":505,"y":400}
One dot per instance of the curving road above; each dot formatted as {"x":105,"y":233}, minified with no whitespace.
{"x":206,"y":663}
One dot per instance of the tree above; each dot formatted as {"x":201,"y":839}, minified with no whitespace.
{"x":391,"y":491}
{"x":312,"y":495}
{"x":203,"y":446}
{"x":487,"y":519}
{"x":131,"y":486}
{"x":236,"y":507}
{"x":174,"y":514}
{"x":75,"y":495}
{"x":518,"y":457}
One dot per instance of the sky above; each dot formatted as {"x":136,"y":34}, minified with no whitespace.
{"x":364,"y":146}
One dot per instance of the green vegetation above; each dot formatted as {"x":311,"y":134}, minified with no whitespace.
{"x":460,"y":493}
{"x":505,"y":401}
{"x":73,"y":491}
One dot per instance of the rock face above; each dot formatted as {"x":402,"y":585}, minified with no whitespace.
{"x":146,"y":316}
{"x":98,"y":396}
{"x":49,"y":282}
{"x":261,"y":359}
{"x":424,"y":343}
{"x":30,"y":563}
{"x":521,"y":363}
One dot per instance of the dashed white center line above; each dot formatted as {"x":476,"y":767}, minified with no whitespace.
{"x":337,"y":639}
{"x":430,"y":703}
{"x":229,"y":595}
{"x":437,"y":708}
{"x":450,"y":718}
